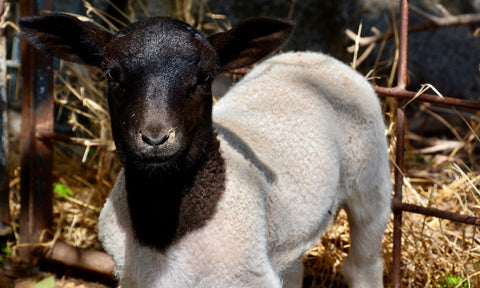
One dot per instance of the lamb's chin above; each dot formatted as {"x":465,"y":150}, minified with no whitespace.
{"x":158,"y":166}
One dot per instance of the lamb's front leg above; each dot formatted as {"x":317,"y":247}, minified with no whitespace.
{"x":114,"y":226}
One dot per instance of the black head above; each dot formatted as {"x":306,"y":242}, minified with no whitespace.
{"x":160,"y":72}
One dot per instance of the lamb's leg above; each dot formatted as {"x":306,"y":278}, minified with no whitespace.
{"x":293,"y":276}
{"x":368,"y":219}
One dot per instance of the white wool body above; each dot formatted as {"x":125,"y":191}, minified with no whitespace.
{"x":302,"y":135}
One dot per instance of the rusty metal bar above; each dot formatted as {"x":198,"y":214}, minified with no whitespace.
{"x":403,"y":44}
{"x":36,"y":161}
{"x":87,"y":260}
{"x":398,"y":193}
{"x":36,"y":156}
{"x":429,"y":98}
{"x":4,"y":174}
{"x":470,"y":220}
{"x":53,"y":137}
{"x":400,"y":145}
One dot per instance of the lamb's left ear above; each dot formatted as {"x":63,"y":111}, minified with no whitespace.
{"x":66,"y":37}
{"x":250,"y":41}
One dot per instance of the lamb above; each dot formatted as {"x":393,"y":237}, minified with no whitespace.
{"x":230,"y":194}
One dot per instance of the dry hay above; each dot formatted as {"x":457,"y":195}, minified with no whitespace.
{"x":448,"y":181}
{"x":90,"y":169}
{"x":85,"y":169}
{"x":432,"y":248}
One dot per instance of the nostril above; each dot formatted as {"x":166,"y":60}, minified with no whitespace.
{"x":155,"y":141}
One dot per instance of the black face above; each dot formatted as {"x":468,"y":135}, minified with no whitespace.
{"x":160,"y":73}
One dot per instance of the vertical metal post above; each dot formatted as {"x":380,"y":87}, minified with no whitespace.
{"x":36,"y":155}
{"x":403,"y":45}
{"x":4,"y":190}
{"x":398,"y":186}
{"x":400,"y":135}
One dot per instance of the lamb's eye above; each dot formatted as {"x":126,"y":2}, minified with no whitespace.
{"x":115,"y":87}
{"x":201,"y":84}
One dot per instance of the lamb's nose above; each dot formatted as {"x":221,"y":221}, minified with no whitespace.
{"x":155,"y":140}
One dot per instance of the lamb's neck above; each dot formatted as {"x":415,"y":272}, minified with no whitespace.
{"x":165,"y":207}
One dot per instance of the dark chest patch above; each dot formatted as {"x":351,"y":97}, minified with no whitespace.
{"x":164,"y":209}
{"x":199,"y":201}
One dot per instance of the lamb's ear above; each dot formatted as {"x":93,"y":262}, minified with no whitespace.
{"x":250,"y":41}
{"x":66,"y":37}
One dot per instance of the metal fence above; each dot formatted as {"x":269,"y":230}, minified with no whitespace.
{"x":400,"y":93}
{"x":37,"y":136}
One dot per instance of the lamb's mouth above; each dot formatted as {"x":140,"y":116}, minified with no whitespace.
{"x":161,"y":162}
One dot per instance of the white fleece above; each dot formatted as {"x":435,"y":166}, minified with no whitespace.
{"x":302,"y":135}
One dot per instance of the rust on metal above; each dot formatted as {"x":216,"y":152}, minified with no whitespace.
{"x":429,"y":98}
{"x":471,"y":220}
{"x":400,"y":145}
{"x":36,"y":156}
{"x":398,"y":193}
{"x":87,"y":260}
{"x":403,"y":44}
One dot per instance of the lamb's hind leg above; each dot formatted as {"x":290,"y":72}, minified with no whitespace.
{"x":368,"y":216}
{"x":293,"y":276}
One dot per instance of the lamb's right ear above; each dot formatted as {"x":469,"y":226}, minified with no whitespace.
{"x":250,"y":41}
{"x":66,"y":37}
